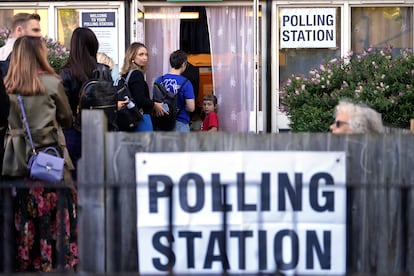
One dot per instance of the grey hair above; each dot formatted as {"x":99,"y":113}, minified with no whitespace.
{"x":362,"y":119}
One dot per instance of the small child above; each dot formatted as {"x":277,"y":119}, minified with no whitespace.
{"x":210,"y":121}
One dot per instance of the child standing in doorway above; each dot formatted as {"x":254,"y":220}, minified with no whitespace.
{"x":210,"y":121}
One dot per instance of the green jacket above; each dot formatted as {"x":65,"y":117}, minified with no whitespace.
{"x":46,"y":115}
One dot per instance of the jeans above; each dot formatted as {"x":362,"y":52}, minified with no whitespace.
{"x":145,"y":124}
{"x":181,"y":127}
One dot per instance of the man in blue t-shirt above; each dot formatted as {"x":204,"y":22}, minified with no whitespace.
{"x":175,"y":83}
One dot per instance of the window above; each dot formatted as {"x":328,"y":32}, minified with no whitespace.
{"x":6,"y":16}
{"x":381,"y":26}
{"x":68,"y":20}
{"x":298,"y":60}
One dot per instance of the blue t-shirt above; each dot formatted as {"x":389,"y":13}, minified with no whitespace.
{"x":173,"y":83}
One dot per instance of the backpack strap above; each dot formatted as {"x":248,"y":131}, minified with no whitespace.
{"x":129,"y":76}
{"x":182,"y":85}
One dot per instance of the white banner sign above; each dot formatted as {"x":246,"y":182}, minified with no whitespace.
{"x":308,"y":28}
{"x":285,"y":211}
{"x":104,"y":24}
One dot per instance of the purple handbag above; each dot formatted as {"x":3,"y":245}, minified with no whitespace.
{"x":45,"y":166}
{"x":42,"y":165}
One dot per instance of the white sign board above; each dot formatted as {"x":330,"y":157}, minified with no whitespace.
{"x":308,"y":28}
{"x":286,"y":211}
{"x":104,"y":24}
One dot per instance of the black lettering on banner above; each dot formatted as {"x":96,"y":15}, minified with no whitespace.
{"x":216,"y":237}
{"x":285,"y":19}
{"x":301,"y":36}
{"x":163,"y":249}
{"x":278,"y":252}
{"x":190,"y":236}
{"x":329,"y":20}
{"x":313,"y":192}
{"x":330,"y":35}
{"x":294,"y":34}
{"x":312,"y":243}
{"x":295,"y":194}
{"x":154,"y":193}
{"x":217,"y":194}
{"x":285,"y":36}
{"x":294,"y":20}
{"x":183,"y":191}
{"x":242,"y":235}
{"x":265,"y":192}
{"x":308,"y":35}
{"x":262,"y":250}
{"x":308,"y":20}
{"x":241,"y":195}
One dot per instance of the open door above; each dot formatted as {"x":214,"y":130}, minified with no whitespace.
{"x":137,"y":19}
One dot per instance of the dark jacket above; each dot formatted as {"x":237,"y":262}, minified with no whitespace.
{"x":72,"y":87}
{"x":140,"y":91}
{"x":4,"y":104}
{"x":4,"y":113}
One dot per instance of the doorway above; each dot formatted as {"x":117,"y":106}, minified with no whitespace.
{"x":227,"y":71}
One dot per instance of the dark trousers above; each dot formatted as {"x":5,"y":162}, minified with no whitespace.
{"x":7,"y":236}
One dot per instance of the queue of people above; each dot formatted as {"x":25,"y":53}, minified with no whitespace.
{"x":41,"y":211}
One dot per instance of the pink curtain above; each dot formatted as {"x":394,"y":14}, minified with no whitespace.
{"x":162,"y":37}
{"x":231,"y":41}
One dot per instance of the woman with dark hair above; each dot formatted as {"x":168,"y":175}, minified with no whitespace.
{"x":79,"y":68}
{"x":41,"y":210}
{"x":136,"y":59}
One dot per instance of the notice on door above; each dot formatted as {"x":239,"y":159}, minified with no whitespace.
{"x":103,"y":24}
{"x":308,"y":28}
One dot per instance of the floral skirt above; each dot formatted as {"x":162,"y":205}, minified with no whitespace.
{"x":46,"y":228}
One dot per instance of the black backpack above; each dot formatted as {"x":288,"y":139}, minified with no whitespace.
{"x":99,"y":93}
{"x":162,"y":95}
{"x":129,"y":116}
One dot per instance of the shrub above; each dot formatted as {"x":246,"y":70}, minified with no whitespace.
{"x":57,"y":54}
{"x":374,"y":77}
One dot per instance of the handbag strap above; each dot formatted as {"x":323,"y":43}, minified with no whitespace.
{"x":26,"y":124}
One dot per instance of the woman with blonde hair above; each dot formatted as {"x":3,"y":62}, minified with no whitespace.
{"x":136,"y":59}
{"x":44,"y":215}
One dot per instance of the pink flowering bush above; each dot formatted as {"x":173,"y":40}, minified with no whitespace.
{"x":57,"y":54}
{"x":4,"y":33}
{"x":374,"y":77}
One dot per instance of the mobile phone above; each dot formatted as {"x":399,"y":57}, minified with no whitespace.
{"x":165,"y":107}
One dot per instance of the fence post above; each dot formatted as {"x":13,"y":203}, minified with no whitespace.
{"x":91,"y":200}
{"x":412,"y":125}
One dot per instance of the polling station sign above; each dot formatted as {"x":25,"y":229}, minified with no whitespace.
{"x":308,"y":28}
{"x":285,"y":211}
{"x":104,"y":24}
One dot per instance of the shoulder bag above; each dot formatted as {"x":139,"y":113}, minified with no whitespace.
{"x":42,"y":165}
{"x":129,"y":116}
